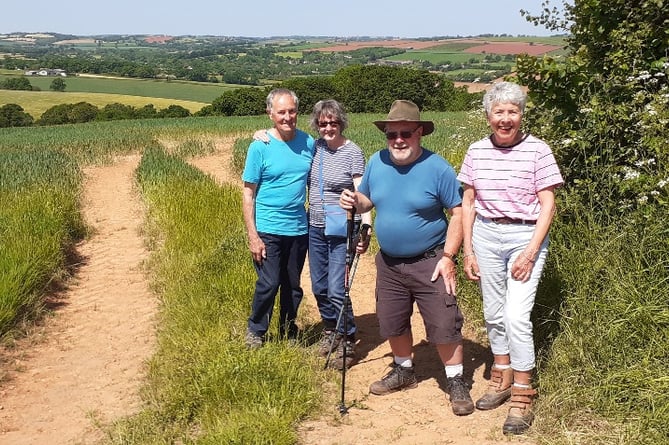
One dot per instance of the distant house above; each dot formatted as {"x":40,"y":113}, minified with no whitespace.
{"x":46,"y":72}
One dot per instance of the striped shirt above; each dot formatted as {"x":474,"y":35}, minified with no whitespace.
{"x":507,"y":179}
{"x":339,"y":168}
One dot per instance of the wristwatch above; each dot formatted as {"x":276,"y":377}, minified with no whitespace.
{"x":452,"y":257}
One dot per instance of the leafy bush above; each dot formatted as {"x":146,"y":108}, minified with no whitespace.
{"x":16,"y":83}
{"x":604,"y":107}
{"x":12,"y":115}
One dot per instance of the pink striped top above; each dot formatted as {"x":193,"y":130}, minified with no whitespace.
{"x":507,"y":179}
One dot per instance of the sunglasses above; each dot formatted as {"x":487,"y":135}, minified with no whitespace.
{"x":330,"y":123}
{"x":405,"y":134}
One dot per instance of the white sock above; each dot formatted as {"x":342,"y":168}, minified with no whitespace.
{"x":501,"y":366}
{"x":453,"y":370}
{"x":404,"y":362}
{"x":521,"y":385}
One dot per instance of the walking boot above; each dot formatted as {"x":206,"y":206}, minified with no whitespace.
{"x":398,"y":378}
{"x":521,"y":412}
{"x":328,"y":342}
{"x":458,"y":391}
{"x":351,"y":358}
{"x":499,"y":389}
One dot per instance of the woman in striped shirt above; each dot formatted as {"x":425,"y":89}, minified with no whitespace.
{"x":509,"y":180}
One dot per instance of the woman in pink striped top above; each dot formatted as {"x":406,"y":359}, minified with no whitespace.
{"x":509,"y":180}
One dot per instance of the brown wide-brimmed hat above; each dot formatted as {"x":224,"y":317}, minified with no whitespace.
{"x":405,"y":111}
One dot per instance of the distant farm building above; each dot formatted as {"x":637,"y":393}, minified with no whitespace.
{"x":46,"y":72}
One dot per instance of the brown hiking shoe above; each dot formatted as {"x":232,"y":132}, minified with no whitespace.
{"x":397,"y":379}
{"x":458,"y":391}
{"x":253,"y":340}
{"x":329,"y":342}
{"x":520,"y":415}
{"x":499,"y":389}
{"x":338,"y":361}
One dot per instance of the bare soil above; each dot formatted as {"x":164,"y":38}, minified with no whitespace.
{"x":482,"y":46}
{"x":82,"y":368}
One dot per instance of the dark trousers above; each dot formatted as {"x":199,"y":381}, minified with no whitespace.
{"x":279,"y":272}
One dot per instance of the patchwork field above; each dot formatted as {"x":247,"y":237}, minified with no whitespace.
{"x":473,"y":46}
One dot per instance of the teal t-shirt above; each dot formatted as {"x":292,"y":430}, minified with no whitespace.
{"x":280,"y":170}
{"x":410,"y":201}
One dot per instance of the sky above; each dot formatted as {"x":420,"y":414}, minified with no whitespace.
{"x":255,"y":18}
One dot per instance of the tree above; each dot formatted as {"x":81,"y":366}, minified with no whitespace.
{"x":241,"y":102}
{"x":371,"y":89}
{"x":310,"y":90}
{"x":16,"y":83}
{"x":116,"y":111}
{"x":12,"y":115}
{"x":174,"y":111}
{"x":82,"y":112}
{"x":56,"y":115}
{"x":58,"y":84}
{"x":604,"y":105}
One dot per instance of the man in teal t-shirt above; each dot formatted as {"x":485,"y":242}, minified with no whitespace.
{"x":411,"y":187}
{"x":275,"y":180}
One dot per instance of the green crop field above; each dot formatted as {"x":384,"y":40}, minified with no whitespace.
{"x":437,"y":57}
{"x":190,"y":91}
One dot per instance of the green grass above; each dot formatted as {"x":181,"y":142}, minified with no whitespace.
{"x":202,"y":374}
{"x":152,"y":88}
{"x":36,"y":103}
{"x":601,"y":316}
{"x":603,"y":322}
{"x":441,"y":58}
{"x":39,"y":223}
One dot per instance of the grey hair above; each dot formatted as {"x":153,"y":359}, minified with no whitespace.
{"x":504,"y":93}
{"x":281,"y":92}
{"x":332,"y":109}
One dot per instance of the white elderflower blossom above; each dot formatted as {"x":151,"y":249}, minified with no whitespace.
{"x":642,"y":162}
{"x":630,"y":174}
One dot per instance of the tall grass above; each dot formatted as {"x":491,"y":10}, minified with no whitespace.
{"x":605,"y":375}
{"x":39,"y":222}
{"x":205,"y":386}
{"x":601,"y":317}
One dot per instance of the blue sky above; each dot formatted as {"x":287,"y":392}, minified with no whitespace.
{"x":255,"y":18}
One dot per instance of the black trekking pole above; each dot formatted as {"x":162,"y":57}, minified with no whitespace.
{"x":363,"y":234}
{"x":350,"y":248}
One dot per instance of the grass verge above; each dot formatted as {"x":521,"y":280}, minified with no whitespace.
{"x":204,"y":385}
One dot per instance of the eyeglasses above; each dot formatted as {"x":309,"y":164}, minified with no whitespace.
{"x":330,"y":123}
{"x":405,"y":134}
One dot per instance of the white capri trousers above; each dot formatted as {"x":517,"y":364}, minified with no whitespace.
{"x":507,"y":303}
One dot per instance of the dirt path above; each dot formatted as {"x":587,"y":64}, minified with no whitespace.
{"x":418,"y":416}
{"x":88,"y":364}
{"x":85,"y":364}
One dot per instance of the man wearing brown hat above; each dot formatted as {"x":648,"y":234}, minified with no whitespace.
{"x":410,"y":187}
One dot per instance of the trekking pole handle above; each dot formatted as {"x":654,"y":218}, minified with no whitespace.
{"x":364,"y":232}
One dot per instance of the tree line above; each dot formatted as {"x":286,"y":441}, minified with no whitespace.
{"x":363,"y":89}
{"x":240,"y":61}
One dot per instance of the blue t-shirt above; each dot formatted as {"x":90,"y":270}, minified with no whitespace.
{"x":280,"y":170}
{"x":410,"y":201}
